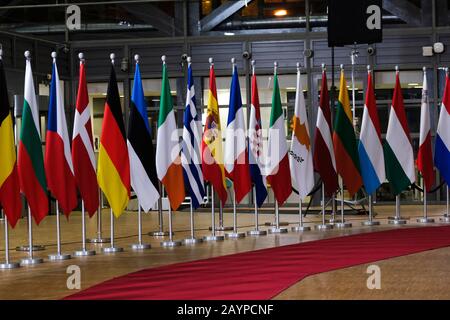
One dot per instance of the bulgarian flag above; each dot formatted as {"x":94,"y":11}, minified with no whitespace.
{"x":398,"y":151}
{"x":425,"y":154}
{"x":168,"y":161}
{"x":30,"y":159}
{"x":278,"y":174}
{"x":345,"y":148}
{"x":9,"y":179}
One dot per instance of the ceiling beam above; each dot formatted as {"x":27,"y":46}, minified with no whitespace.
{"x":405,"y":10}
{"x":221,"y":13}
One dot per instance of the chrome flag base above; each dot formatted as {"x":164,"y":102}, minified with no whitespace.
{"x":342,"y":225}
{"x":445,"y":219}
{"x":324,"y":227}
{"x":159,"y":233}
{"x":99,"y":240}
{"x":369,"y":223}
{"x":301,"y":228}
{"x":59,"y":257}
{"x":257,"y":232}
{"x":235,"y":235}
{"x":31,"y":261}
{"x":213,"y":238}
{"x":84,"y":253}
{"x":10,"y":265}
{"x":425,"y":220}
{"x":170,"y":244}
{"x":190,"y":241}
{"x":397,"y":221}
{"x":112,"y":249}
{"x":276,"y":230}
{"x":140,"y":246}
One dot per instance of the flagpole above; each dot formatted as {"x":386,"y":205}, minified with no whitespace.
{"x":99,"y":239}
{"x":324,"y":225}
{"x":58,"y":255}
{"x":277,"y":228}
{"x":425,"y":218}
{"x":446,"y":217}
{"x":300,"y":227}
{"x":256,"y":231}
{"x":7,"y":264}
{"x":170,"y":242}
{"x":342,"y":223}
{"x":112,"y":248}
{"x":83,"y":251}
{"x":333,"y":209}
{"x":140,"y":245}
{"x":192,"y":239}
{"x":160,"y":232}
{"x":234,"y":234}
{"x":30,"y":260}
{"x":213,"y":236}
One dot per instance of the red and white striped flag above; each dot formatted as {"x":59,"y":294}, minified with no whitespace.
{"x":82,"y":147}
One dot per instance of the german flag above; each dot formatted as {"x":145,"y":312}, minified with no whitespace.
{"x":113,"y":173}
{"x":9,"y":179}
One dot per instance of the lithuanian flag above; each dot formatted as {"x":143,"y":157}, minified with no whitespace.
{"x":9,"y":179}
{"x":168,"y":161}
{"x":345,"y":148}
{"x":113,"y":173}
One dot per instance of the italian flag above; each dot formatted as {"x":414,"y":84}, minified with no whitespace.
{"x":168,"y":161}
{"x":278,"y":174}
{"x":30,"y":159}
{"x":398,"y":151}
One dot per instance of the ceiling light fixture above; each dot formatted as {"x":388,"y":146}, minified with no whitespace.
{"x":280,"y":13}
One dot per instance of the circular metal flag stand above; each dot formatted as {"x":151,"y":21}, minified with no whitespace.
{"x":58,"y":256}
{"x":397,"y":220}
{"x":170,"y":243}
{"x":324,"y":225}
{"x":30,"y":260}
{"x":370,"y":222}
{"x":99,"y":239}
{"x":300,"y":227}
{"x":140,"y":245}
{"x":83,"y":252}
{"x":112,"y":248}
{"x":192,"y":239}
{"x":446,"y":217}
{"x":213,"y":236}
{"x":277,"y":228}
{"x":256,"y":231}
{"x":7,"y":264}
{"x":160,"y":232}
{"x":235,"y":234}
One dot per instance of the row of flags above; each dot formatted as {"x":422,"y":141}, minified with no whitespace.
{"x":127,"y":160}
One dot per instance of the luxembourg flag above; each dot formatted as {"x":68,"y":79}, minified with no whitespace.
{"x":442,"y":147}
{"x":58,"y":157}
{"x":236,"y":156}
{"x":370,"y":147}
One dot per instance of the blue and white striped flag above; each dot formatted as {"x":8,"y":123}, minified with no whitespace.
{"x":190,"y":146}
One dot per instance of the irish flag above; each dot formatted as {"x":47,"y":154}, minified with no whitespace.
{"x":398,"y":151}
{"x":425,"y":154}
{"x":278,"y":174}
{"x":345,"y":148}
{"x":300,"y":159}
{"x":30,"y":159}
{"x":168,"y":161}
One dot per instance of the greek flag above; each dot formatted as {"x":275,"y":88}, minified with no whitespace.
{"x":190,"y":146}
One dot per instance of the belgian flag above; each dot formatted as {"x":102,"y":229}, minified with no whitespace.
{"x":113,"y":172}
{"x":9,"y":179}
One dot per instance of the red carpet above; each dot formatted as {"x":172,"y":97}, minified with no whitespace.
{"x":262,"y":274}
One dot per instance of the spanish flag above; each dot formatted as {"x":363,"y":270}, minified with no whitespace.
{"x":113,"y":173}
{"x":212,"y":154}
{"x":9,"y":179}
{"x":168,"y":160}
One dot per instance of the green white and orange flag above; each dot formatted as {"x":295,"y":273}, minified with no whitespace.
{"x":168,"y":161}
{"x":30,"y":158}
{"x":345,"y":147}
{"x":9,"y":179}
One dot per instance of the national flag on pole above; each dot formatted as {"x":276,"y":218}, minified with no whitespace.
{"x":425,"y":154}
{"x":9,"y":179}
{"x":58,"y":157}
{"x":442,"y":146}
{"x":113,"y":172}
{"x":140,"y":148}
{"x":58,"y":160}
{"x":168,"y":162}
{"x":256,"y":153}
{"x":300,"y":155}
{"x":345,"y":148}
{"x":236,"y":156}
{"x":370,"y":147}
{"x":324,"y":159}
{"x":398,"y":151}
{"x":30,"y":159}
{"x":212,"y":154}
{"x":83,"y":149}
{"x":278,"y":174}
{"x":190,"y":147}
